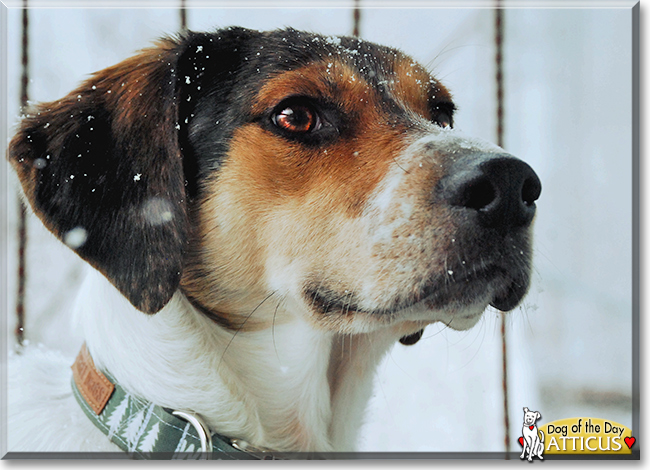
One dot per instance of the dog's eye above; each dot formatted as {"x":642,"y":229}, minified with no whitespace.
{"x":442,"y":114}
{"x":297,"y":118}
{"x":443,"y":120}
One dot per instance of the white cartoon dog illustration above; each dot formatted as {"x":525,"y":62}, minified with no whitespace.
{"x":533,"y":438}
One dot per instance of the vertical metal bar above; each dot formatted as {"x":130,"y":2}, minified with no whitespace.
{"x":183,"y":12}
{"x":498,"y":40}
{"x":506,"y":415}
{"x":356,"y":18}
{"x":22,"y":211}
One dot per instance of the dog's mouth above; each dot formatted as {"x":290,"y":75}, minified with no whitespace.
{"x":493,"y":284}
{"x":463,"y":291}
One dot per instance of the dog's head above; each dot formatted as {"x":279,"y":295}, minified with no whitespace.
{"x":321,"y":171}
{"x":531,"y":417}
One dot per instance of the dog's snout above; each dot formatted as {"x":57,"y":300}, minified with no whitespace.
{"x":501,"y":189}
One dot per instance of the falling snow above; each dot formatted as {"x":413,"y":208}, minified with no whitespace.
{"x":75,"y":237}
{"x":157,"y":211}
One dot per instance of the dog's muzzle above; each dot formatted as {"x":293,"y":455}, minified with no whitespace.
{"x":493,"y":198}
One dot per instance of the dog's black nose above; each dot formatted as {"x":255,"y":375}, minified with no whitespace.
{"x":500,"y":188}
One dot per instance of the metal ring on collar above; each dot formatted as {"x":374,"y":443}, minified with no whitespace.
{"x":201,"y":429}
{"x":263,"y":454}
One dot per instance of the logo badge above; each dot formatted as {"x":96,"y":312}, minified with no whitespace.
{"x":573,"y":436}
{"x":533,"y":439}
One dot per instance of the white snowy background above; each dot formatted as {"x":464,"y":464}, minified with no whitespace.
{"x":568,"y":112}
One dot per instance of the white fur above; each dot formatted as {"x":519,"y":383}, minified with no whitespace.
{"x":43,"y":416}
{"x":252,"y":385}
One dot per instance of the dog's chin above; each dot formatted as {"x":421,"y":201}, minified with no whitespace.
{"x":459,"y":303}
{"x":464,"y":319}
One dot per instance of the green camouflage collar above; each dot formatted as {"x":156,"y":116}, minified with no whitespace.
{"x":145,"y":430}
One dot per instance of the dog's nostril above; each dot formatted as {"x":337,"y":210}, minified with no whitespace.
{"x":479,"y":194}
{"x":530,"y":191}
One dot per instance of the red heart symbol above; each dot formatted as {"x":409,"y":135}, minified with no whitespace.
{"x":531,"y":427}
{"x":630,"y":441}
{"x":521,"y":441}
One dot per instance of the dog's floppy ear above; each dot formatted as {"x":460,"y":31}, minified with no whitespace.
{"x":103,"y":170}
{"x":525,"y":409}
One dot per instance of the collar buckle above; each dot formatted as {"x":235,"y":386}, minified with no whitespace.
{"x":201,"y":429}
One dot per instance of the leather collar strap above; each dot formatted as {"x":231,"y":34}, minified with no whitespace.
{"x":145,"y":430}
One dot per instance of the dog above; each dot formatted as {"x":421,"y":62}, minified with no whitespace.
{"x":533,"y":438}
{"x":265,"y":215}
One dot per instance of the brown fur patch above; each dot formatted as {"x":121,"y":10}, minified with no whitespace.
{"x":411,"y":86}
{"x":346,"y":171}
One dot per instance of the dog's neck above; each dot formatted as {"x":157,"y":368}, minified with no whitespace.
{"x":290,"y":387}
